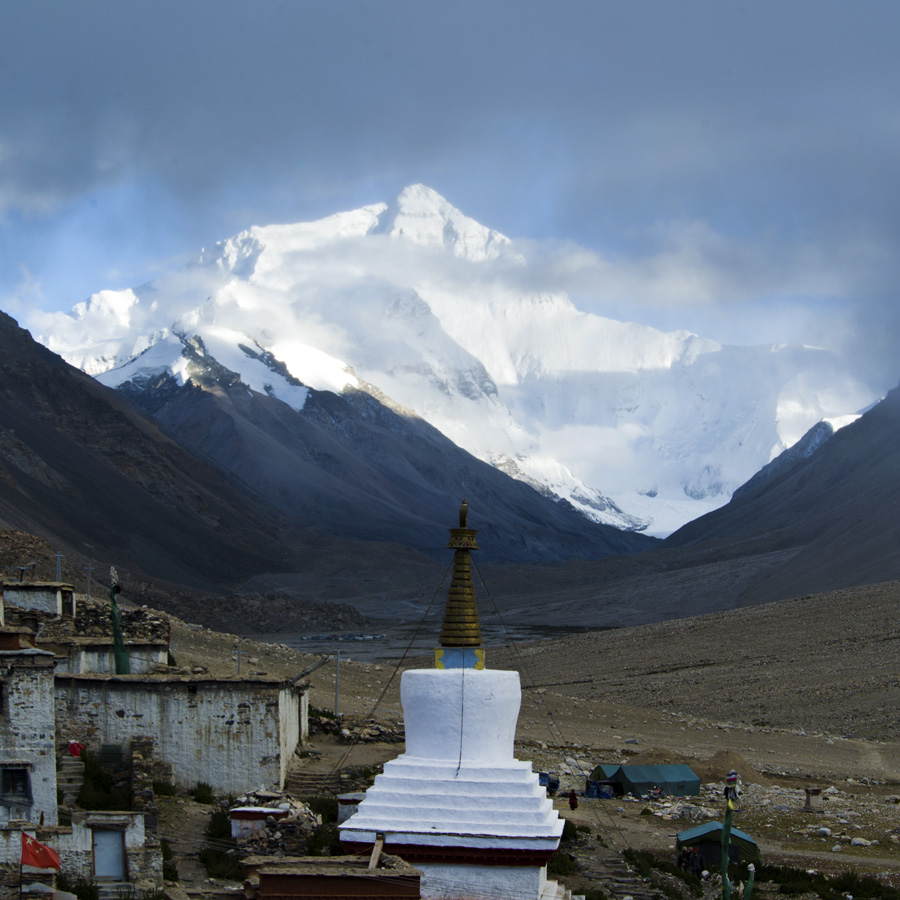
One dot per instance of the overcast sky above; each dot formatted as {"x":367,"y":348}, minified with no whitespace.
{"x":727,"y":167}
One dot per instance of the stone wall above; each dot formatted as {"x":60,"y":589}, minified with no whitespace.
{"x":27,"y":733}
{"x":234,"y":734}
{"x":11,"y":854}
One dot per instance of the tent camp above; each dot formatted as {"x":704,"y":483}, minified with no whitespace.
{"x":675,"y":780}
{"x":708,"y":840}
{"x":604,"y":771}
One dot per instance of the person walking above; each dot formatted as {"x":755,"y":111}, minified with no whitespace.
{"x":573,"y":800}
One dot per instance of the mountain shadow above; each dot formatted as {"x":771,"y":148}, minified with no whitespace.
{"x":362,"y":470}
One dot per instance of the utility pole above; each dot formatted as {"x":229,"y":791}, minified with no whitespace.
{"x":89,"y":568}
{"x":337,"y":680}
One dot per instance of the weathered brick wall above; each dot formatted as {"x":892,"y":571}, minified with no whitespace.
{"x":233,"y":734}
{"x":27,"y":731}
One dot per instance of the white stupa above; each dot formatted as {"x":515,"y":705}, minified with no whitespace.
{"x":457,"y":804}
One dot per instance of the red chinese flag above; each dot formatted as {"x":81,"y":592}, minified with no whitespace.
{"x":39,"y":855}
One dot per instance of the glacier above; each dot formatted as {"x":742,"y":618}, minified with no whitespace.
{"x":430,"y":311}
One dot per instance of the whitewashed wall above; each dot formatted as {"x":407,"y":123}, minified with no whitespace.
{"x":234,"y":734}
{"x":26,"y":729}
{"x":144,"y":659}
{"x":51,"y":599}
{"x":294,"y":708}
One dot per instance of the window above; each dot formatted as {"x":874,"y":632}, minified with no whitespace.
{"x":15,"y":786}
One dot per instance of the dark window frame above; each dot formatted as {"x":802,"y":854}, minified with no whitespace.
{"x":15,"y":785}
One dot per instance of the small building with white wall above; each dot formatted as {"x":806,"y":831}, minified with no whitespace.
{"x":54,"y":597}
{"x":234,"y":733}
{"x":85,"y":655}
{"x":110,"y":847}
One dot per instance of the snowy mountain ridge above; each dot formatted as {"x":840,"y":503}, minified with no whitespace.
{"x":634,"y":427}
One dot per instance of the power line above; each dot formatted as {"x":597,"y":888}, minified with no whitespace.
{"x":552,"y":724}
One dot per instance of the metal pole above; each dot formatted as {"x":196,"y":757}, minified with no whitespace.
{"x":337,"y":680}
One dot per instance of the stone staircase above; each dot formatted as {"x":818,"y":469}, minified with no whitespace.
{"x":115,"y":890}
{"x":612,"y":874}
{"x":69,"y":778}
{"x":301,"y":783}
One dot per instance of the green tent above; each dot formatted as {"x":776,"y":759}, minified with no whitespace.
{"x":675,"y":780}
{"x":708,"y":840}
{"x":604,"y":771}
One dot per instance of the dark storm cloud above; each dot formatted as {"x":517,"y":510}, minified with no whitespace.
{"x":766,"y":125}
{"x":667,"y":108}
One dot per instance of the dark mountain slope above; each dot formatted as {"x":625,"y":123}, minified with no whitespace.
{"x":840,"y":510}
{"x":357,"y":468}
{"x":83,"y":469}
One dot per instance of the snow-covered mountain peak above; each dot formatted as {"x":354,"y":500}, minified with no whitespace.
{"x":265,"y":248}
{"x":414,"y":301}
{"x":422,"y":216}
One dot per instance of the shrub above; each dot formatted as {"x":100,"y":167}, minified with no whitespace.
{"x":164,"y":789}
{"x":99,"y":790}
{"x":570,"y":831}
{"x":219,"y":826}
{"x":325,"y":807}
{"x":325,"y":841}
{"x":561,"y":864}
{"x":220,"y":856}
{"x":222,"y":863}
{"x":81,"y":888}
{"x":203,"y":793}
{"x":169,"y":868}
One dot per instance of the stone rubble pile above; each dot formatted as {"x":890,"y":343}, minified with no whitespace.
{"x":374,"y":733}
{"x":284,"y":829}
{"x":92,"y":619}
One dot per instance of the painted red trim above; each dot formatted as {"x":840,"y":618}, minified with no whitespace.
{"x":478,"y":856}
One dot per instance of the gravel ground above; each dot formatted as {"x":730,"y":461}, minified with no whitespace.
{"x":801,"y":693}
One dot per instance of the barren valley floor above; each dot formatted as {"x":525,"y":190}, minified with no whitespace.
{"x":800,"y":693}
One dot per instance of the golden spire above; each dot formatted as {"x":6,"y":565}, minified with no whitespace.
{"x":461,"y":627}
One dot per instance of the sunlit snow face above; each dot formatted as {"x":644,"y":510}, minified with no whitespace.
{"x":634,"y":426}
